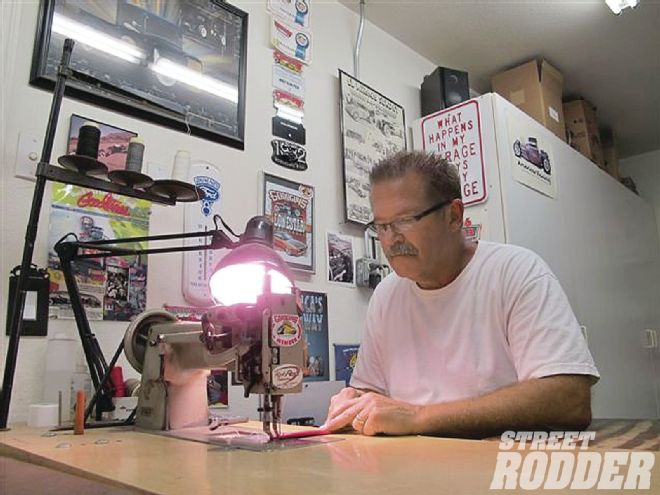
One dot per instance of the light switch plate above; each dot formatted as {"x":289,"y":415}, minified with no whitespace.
{"x":27,"y":155}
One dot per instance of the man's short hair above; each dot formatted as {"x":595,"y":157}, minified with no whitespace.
{"x":443,"y":181}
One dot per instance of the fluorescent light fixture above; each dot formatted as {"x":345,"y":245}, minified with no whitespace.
{"x":193,"y":78}
{"x":288,"y":113}
{"x":96,"y":39}
{"x":618,"y":5}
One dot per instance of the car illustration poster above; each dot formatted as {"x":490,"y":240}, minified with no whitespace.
{"x":373,"y":128}
{"x":531,"y":158}
{"x":340,"y":259}
{"x":290,"y":206}
{"x":112,"y":288}
{"x":315,"y":329}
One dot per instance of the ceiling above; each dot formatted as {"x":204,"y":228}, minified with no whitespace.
{"x":613,"y":61}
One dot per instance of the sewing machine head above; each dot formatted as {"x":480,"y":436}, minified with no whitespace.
{"x":257,"y":334}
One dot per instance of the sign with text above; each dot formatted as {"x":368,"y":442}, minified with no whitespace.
{"x":455,"y":134}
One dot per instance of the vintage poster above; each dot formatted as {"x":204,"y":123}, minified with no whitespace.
{"x":341,"y":259}
{"x":290,"y":206}
{"x":113,"y":145}
{"x":531,"y":158}
{"x":111,"y":288}
{"x":346,"y":356}
{"x":373,"y":127}
{"x":315,"y":326}
{"x":455,"y":134}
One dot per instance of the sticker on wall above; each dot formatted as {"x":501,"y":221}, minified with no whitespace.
{"x":289,"y":155}
{"x":281,"y":98}
{"x":287,"y":129}
{"x":455,"y":134}
{"x":291,"y":41}
{"x":286,"y":62}
{"x":471,"y":230}
{"x":286,"y":330}
{"x":531,"y":158}
{"x":287,"y":376}
{"x":294,"y":12}
{"x":288,"y":82}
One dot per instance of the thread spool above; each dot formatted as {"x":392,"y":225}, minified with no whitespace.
{"x":117,"y":377}
{"x":42,"y":415}
{"x":135,"y":155}
{"x":79,"y":423}
{"x":181,"y":165}
{"x":89,"y":137}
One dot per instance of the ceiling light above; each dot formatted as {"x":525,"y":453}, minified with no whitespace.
{"x":618,"y":5}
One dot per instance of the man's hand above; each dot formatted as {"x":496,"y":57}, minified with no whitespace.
{"x":370,"y":413}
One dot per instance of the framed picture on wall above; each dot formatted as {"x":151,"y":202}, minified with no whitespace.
{"x":113,"y":145}
{"x":290,"y":206}
{"x":178,"y":64}
{"x":372,"y":128}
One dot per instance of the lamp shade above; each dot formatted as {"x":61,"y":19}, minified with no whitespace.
{"x":240,"y":276}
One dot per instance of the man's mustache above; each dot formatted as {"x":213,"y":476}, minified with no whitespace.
{"x":401,"y":250}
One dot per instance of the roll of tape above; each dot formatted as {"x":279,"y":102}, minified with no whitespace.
{"x":40,"y":415}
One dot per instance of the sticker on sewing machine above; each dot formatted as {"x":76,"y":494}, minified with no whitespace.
{"x":287,"y":376}
{"x":286,"y":330}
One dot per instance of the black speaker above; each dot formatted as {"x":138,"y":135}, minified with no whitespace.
{"x":444,"y":88}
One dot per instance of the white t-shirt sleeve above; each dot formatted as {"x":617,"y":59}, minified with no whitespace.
{"x":543,"y":333}
{"x":368,"y":372}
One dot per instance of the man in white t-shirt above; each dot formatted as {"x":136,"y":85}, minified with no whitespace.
{"x":465,"y":338}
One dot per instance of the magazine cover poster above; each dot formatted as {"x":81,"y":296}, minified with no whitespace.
{"x":290,"y":206}
{"x":315,"y":325}
{"x":112,"y":288}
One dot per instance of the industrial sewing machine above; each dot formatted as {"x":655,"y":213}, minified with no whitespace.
{"x":256,"y":332}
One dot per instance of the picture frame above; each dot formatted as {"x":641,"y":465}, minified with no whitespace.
{"x":181,"y":65}
{"x":373,"y":127}
{"x":113,"y":144}
{"x":290,"y":206}
{"x":340,"y":259}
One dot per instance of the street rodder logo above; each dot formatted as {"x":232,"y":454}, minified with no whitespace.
{"x":534,"y":460}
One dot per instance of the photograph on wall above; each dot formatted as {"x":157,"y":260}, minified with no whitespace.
{"x":112,"y":288}
{"x":113,"y":145}
{"x":340,"y":258}
{"x":315,"y":326}
{"x":373,"y":127}
{"x":531,"y":158}
{"x":178,"y":64}
{"x":346,"y":356}
{"x":290,"y":206}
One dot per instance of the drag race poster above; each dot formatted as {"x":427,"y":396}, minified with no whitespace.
{"x":290,"y":206}
{"x":111,"y":288}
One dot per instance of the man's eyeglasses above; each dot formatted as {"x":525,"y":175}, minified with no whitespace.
{"x":404,"y":224}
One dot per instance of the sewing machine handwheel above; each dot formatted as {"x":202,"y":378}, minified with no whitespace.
{"x":135,"y":339}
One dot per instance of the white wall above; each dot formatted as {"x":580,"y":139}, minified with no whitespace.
{"x":386,"y":65}
{"x":645,"y":171}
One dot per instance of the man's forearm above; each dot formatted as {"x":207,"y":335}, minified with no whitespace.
{"x":561,"y":401}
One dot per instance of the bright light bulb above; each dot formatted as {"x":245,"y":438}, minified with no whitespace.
{"x":244,"y":282}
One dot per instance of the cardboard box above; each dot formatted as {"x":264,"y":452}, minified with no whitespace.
{"x":611,"y":161}
{"x":536,"y":88}
{"x":582,"y":130}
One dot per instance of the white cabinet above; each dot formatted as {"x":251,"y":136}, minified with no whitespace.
{"x":599,"y":238}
